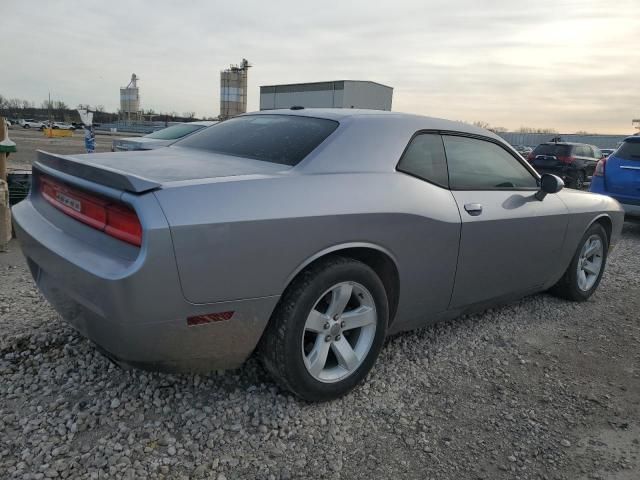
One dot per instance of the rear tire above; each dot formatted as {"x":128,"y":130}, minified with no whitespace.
{"x":585,"y":271}
{"x":313,"y":345}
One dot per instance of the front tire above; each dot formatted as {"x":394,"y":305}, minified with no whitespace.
{"x":327,"y":330}
{"x":583,"y":276}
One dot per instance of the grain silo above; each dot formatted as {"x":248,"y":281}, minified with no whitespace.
{"x":233,"y":90}
{"x":130,"y":100}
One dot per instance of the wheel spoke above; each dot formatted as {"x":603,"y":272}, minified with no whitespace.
{"x":316,"y":322}
{"x":593,"y":247}
{"x":358,"y":318}
{"x":317,"y":358}
{"x":339,"y":298}
{"x":591,"y":267}
{"x":344,"y":353}
{"x":582,"y":280}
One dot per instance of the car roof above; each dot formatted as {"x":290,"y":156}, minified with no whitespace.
{"x":633,"y":139}
{"x":370,"y":140}
{"x":205,"y":123}
{"x":419,"y":122}
{"x":567,"y":143}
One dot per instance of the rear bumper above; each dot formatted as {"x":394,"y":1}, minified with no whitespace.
{"x":630,"y":205}
{"x":133,"y":309}
{"x":631,"y":210}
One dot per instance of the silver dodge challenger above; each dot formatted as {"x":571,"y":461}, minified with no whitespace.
{"x":305,"y":235}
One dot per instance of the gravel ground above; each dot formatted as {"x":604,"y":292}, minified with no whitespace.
{"x":542,"y":389}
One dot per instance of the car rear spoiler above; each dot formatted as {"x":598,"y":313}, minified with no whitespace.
{"x":96,"y":173}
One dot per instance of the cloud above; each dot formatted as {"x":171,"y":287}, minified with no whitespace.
{"x":569,"y":65}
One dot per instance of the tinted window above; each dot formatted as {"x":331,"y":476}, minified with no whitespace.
{"x":628,"y":151}
{"x":481,"y":165}
{"x":425,"y":159}
{"x":285,"y":139}
{"x":175,"y":131}
{"x":552,"y":149}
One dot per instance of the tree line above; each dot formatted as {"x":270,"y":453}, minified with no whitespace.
{"x":18,"y":108}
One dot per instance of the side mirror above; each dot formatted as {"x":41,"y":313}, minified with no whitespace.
{"x":549,"y":184}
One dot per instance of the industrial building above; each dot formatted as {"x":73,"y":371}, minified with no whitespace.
{"x":233,"y":90}
{"x":130,"y":100}
{"x":334,"y":94}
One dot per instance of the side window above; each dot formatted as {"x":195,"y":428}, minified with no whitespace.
{"x":481,"y":165}
{"x":597,"y":154}
{"x":424,"y":158}
{"x":582,"y":151}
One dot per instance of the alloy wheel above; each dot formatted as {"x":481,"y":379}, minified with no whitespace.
{"x":339,"y":332}
{"x":590,"y":262}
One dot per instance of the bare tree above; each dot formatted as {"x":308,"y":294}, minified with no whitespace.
{"x":482,"y":124}
{"x":536,"y":130}
{"x":189,"y":115}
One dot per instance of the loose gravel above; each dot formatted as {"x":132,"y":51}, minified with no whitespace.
{"x":541,"y":389}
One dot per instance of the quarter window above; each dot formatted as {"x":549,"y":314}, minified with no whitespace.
{"x":424,"y":158}
{"x":481,"y":165}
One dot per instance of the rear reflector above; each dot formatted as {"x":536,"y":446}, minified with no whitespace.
{"x":116,"y":220}
{"x":209,"y":318}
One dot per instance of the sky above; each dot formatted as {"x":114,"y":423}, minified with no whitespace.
{"x":565,"y":64}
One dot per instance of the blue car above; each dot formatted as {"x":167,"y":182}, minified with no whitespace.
{"x":618,"y":176}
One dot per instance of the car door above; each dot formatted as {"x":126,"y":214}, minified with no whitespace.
{"x":510,"y":241}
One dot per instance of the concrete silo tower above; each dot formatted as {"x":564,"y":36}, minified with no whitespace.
{"x":130,"y":100}
{"x":233,"y":90}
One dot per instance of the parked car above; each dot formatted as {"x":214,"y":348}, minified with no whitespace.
{"x":308,"y":234}
{"x":607,"y":151}
{"x":30,"y":123}
{"x":618,"y":176}
{"x":573,"y":162}
{"x":159,"y":138}
{"x":523,"y":150}
{"x":62,"y":126}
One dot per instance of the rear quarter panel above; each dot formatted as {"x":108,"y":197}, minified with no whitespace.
{"x":237,"y":238}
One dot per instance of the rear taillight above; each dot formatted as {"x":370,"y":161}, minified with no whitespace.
{"x":530,"y":157}
{"x":116,"y":220}
{"x":600,"y":167}
{"x":566,"y":159}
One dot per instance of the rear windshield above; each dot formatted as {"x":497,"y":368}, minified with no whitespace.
{"x":552,"y":149}
{"x":284,"y":139}
{"x":629,"y":151}
{"x":175,"y":131}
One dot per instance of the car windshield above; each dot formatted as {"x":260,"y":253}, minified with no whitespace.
{"x":284,"y":139}
{"x":175,"y":131}
{"x":553,"y":149}
{"x":629,"y":151}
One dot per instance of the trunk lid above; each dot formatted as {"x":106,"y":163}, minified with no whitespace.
{"x":143,"y":171}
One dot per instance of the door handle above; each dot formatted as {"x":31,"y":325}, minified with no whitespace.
{"x":473,"y":209}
